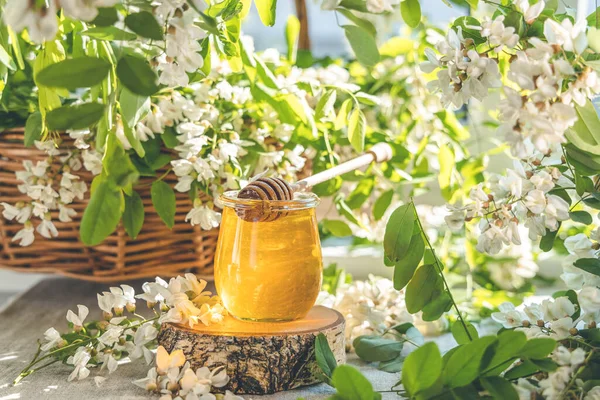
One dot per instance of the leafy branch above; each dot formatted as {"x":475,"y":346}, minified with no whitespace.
{"x":405,"y":245}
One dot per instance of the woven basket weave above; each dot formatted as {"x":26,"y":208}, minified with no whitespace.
{"x":157,"y":250}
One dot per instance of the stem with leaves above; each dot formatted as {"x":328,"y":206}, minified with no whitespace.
{"x":440,"y":269}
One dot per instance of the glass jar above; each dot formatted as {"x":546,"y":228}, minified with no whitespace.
{"x":268,"y":264}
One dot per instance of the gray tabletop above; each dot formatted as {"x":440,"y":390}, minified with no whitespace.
{"x":25,"y":319}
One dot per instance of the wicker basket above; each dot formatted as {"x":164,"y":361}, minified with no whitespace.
{"x":157,"y":250}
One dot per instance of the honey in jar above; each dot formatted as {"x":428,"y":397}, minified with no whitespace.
{"x":268,"y":265}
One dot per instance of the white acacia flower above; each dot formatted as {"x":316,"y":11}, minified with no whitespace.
{"x":380,"y":6}
{"x":589,"y":300}
{"x":542,"y":181}
{"x":151,"y":290}
{"x":143,"y":335}
{"x":166,"y":361}
{"x":579,"y":245}
{"x":509,"y":316}
{"x":535,"y":201}
{"x":20,"y":214}
{"x":41,"y":22}
{"x":148,"y":383}
{"x":561,"y":328}
{"x":593,"y":394}
{"x":52,"y":337}
{"x":204,"y":216}
{"x":556,"y":210}
{"x":79,"y":360}
{"x":78,"y":319}
{"x":65,"y":214}
{"x":85,"y":10}
{"x":530,"y":12}
{"x":563,"y":356}
{"x":557,"y":308}
{"x":25,"y":236}
{"x":46,"y":228}
{"x":111,"y":335}
{"x":570,"y":37}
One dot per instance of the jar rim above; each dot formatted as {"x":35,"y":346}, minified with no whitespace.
{"x":301,"y":201}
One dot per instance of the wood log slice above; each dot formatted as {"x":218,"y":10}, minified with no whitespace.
{"x":260,"y":358}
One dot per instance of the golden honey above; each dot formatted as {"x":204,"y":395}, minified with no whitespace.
{"x":269,"y":270}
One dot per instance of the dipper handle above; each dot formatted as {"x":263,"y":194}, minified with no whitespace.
{"x":380,"y":152}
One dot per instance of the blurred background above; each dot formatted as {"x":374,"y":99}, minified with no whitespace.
{"x":327,"y":39}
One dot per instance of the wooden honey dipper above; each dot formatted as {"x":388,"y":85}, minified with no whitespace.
{"x":270,"y":189}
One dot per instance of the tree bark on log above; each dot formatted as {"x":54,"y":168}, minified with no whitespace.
{"x":260,"y":358}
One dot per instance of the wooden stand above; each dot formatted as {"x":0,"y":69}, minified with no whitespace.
{"x":260,"y":358}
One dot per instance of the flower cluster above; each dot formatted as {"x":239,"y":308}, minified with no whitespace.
{"x":173,"y":378}
{"x":556,"y":382}
{"x":543,"y":83}
{"x":51,"y":185}
{"x":41,"y":21}
{"x":103,"y":343}
{"x":558,"y":318}
{"x":369,"y":307}
{"x":523,"y":194}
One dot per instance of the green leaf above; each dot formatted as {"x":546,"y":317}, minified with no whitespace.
{"x":109,"y":33}
{"x":292,"y":32}
{"x":325,"y":358}
{"x":133,"y":107}
{"x":137,"y":76}
{"x":361,"y":193}
{"x":439,"y":304}
{"x":266,"y":11}
{"x":422,"y":368}
{"x":585,"y":134}
{"x":351,"y":384}
{"x":547,"y":241}
{"x":375,"y":348}
{"x":528,"y":367}
{"x":411,"y":12}
{"x":464,"y":365}
{"x":120,"y":171}
{"x":363,"y":23}
{"x":163,"y":199}
{"x":81,"y":72}
{"x":499,"y":388}
{"x":6,"y":59}
{"x":447,"y":165}
{"x":363,"y":45}
{"x":101,"y":215}
{"x":509,"y":345}
{"x":74,"y":117}
{"x":133,"y":217}
{"x":107,"y":16}
{"x":583,"y":217}
{"x":459,"y":334}
{"x":591,"y":265}
{"x":423,"y":288}
{"x":337,"y":228}
{"x":398,"y":232}
{"x":410,"y":332}
{"x":466,"y":24}
{"x":342,"y":117}
{"x":357,"y":126}
{"x":144,"y":24}
{"x":537,"y":348}
{"x":405,"y":268}
{"x":394,"y":365}
{"x":325,"y":105}
{"x":33,"y":128}
{"x":382,"y":204}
